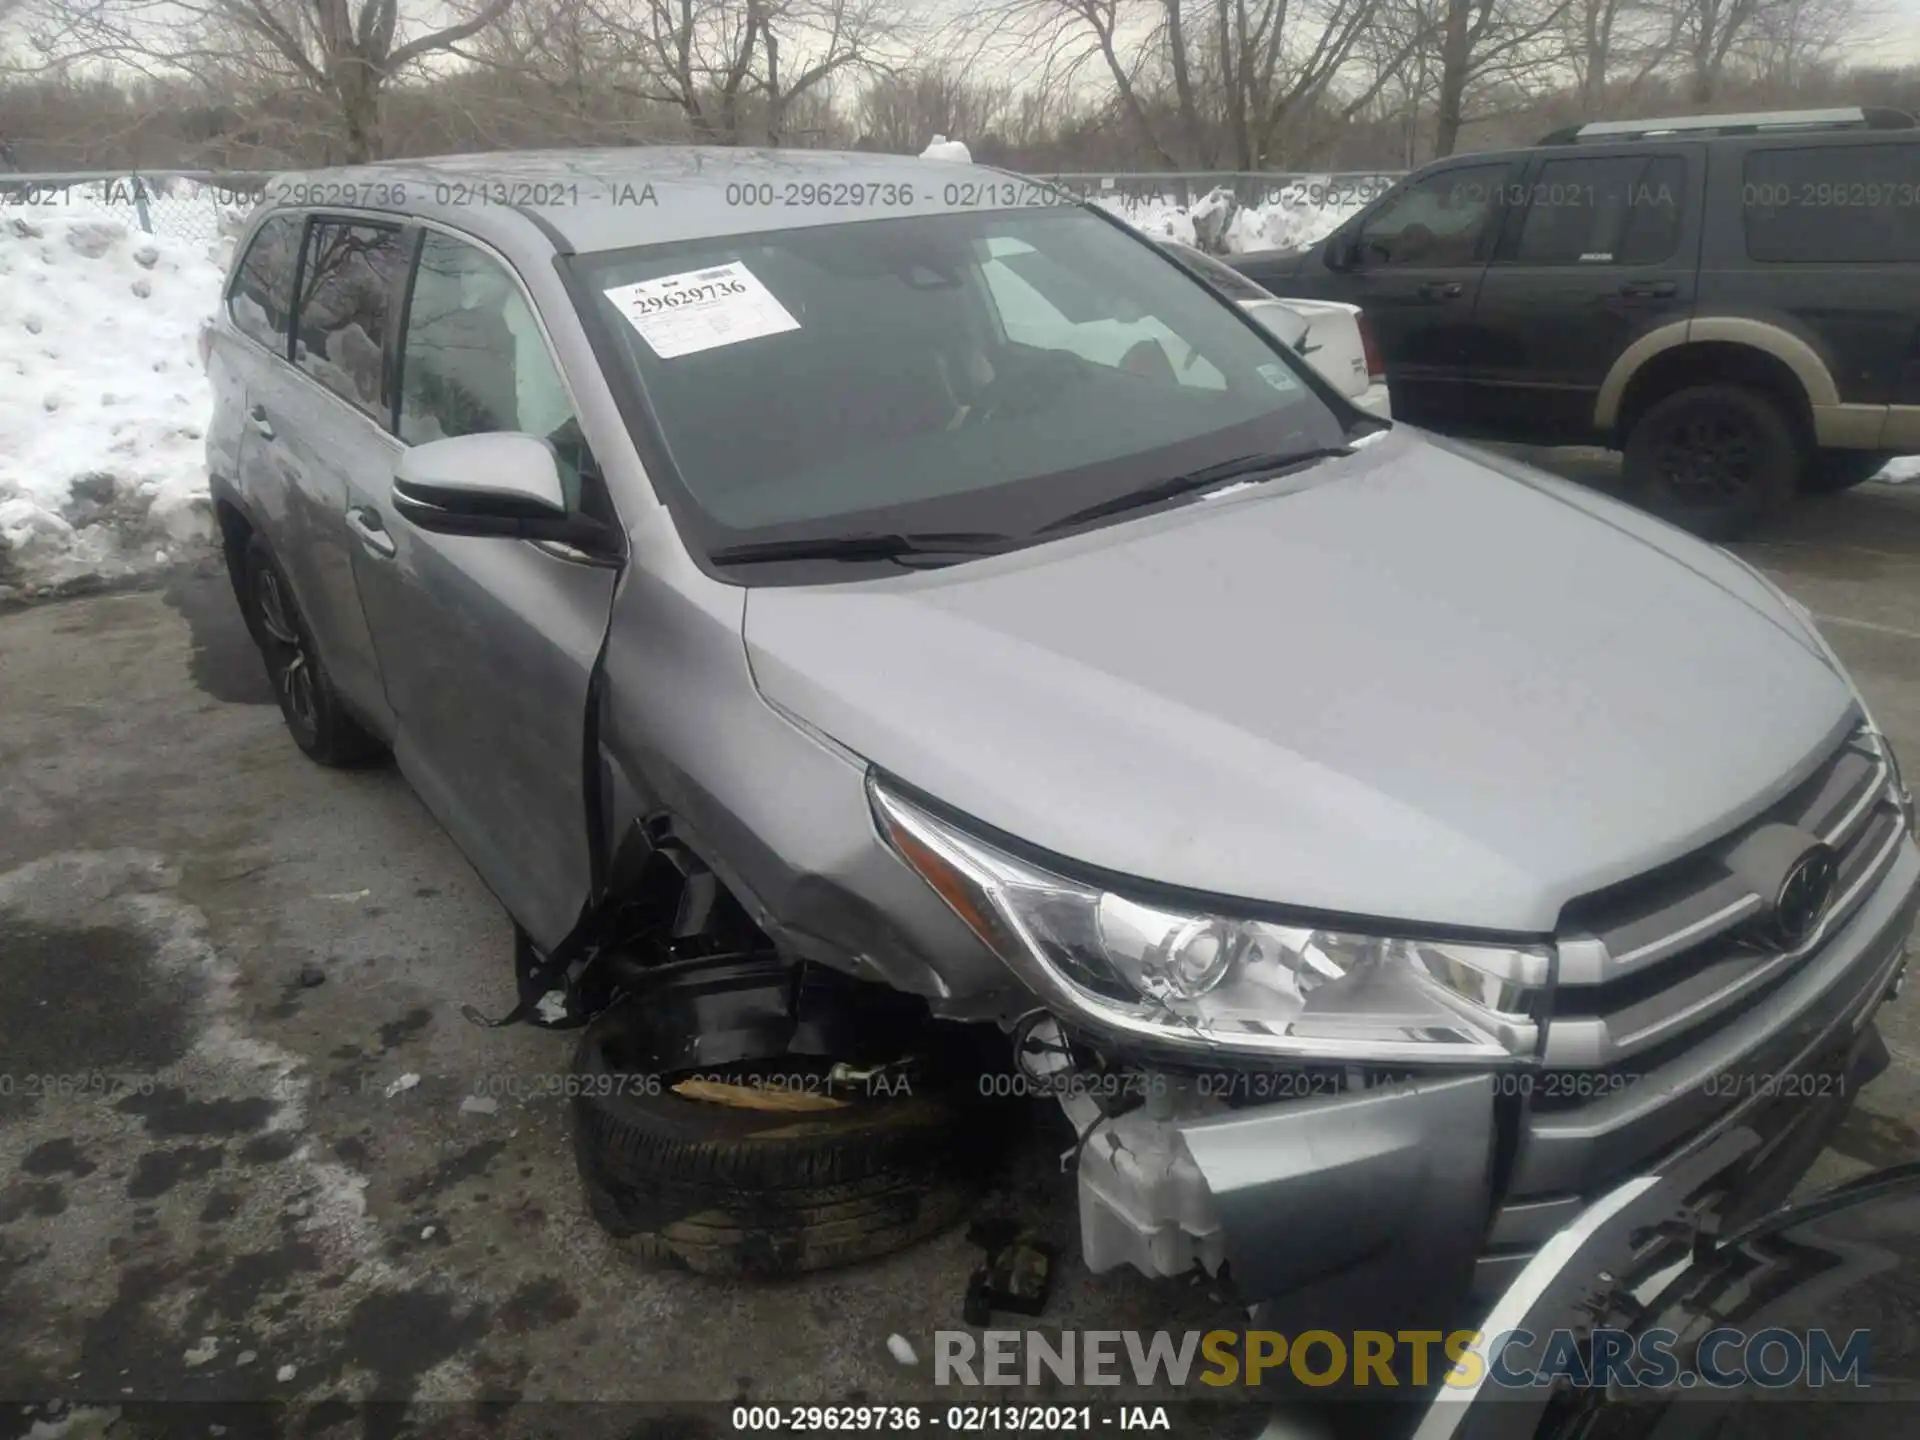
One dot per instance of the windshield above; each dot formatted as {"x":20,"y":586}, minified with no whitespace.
{"x":982,"y":372}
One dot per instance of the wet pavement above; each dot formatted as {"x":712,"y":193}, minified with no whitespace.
{"x":207,"y":1192}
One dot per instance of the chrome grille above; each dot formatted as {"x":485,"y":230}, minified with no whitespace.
{"x":1668,"y":956}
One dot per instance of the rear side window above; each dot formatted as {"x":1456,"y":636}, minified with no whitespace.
{"x":1847,"y":204}
{"x":346,"y":300}
{"x":262,"y":296}
{"x":1603,"y":210}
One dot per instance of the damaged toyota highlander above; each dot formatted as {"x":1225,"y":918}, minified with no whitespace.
{"x":880,"y":627}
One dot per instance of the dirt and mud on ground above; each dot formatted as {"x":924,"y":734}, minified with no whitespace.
{"x":249,"y":1149}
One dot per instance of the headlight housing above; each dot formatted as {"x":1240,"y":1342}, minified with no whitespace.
{"x":1198,"y":980}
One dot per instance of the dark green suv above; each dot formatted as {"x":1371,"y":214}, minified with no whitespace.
{"x":1732,"y":300}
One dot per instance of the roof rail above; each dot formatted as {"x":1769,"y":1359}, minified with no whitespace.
{"x":1856,"y":117}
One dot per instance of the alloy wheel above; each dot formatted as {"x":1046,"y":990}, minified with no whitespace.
{"x":1708,"y":458}
{"x":292,"y":666}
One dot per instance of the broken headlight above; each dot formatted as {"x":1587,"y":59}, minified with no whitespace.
{"x":1205,"y":981}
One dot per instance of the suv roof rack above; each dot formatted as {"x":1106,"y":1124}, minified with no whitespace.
{"x":1856,"y":117}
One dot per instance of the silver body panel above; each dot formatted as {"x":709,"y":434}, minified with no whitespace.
{"x":1419,"y":684}
{"x":1411,"y":688}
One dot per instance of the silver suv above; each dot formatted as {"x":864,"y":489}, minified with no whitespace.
{"x":977,"y":605}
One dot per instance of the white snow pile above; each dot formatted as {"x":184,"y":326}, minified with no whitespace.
{"x":103,"y":399}
{"x":945,"y":149}
{"x":1300,"y":211}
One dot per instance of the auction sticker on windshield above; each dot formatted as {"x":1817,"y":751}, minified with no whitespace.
{"x":701,"y":309}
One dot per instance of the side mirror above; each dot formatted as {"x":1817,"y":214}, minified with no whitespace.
{"x":505,"y":484}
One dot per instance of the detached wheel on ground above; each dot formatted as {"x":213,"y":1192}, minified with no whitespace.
{"x":315,"y":715}
{"x":1713,"y":459}
{"x":676,"y":1159}
{"x":1830,"y":471}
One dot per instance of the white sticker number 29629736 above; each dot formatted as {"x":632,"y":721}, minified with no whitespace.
{"x":701,"y":309}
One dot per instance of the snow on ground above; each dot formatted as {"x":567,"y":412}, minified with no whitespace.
{"x":103,"y":399}
{"x":1294,"y":213}
{"x":104,"y":403}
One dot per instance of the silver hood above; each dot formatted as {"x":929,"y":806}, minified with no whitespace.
{"x":1415,"y":684}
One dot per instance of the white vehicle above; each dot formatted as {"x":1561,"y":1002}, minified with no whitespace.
{"x":1330,"y":335}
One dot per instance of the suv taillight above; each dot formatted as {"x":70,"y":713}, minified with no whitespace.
{"x":1370,"y":348}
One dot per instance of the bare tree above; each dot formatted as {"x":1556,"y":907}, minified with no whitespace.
{"x":903,"y":110}
{"x":1704,"y":33}
{"x":347,"y":51}
{"x":730,"y":66}
{"x":1488,"y":44}
{"x":1791,"y":38}
{"x":1198,"y":81}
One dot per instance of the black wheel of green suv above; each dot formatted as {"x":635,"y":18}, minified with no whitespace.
{"x":1830,"y":471}
{"x":315,"y":716}
{"x":1714,"y":459}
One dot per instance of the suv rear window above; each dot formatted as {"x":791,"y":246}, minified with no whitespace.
{"x":345,"y":308}
{"x":262,"y":294}
{"x":1847,"y":204}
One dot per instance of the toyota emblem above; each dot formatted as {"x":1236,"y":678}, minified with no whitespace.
{"x":1804,"y":896}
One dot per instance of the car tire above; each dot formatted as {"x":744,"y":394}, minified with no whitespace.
{"x":1713,"y":459}
{"x":721,"y":1190}
{"x":1831,"y":471}
{"x":316,"y":716}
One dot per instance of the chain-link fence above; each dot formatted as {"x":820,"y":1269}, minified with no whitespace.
{"x":1250,"y":189}
{"x":204,"y":205}
{"x":196,"y":205}
{"x":1228,"y":210}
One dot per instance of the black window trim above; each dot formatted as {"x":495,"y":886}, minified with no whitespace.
{"x":251,"y":237}
{"x":414,"y":229}
{"x":384,"y":220}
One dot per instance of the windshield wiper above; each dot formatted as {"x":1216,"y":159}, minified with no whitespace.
{"x":1266,"y":465}
{"x":904,"y":547}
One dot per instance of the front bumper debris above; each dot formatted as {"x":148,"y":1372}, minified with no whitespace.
{"x":1321,"y":1207}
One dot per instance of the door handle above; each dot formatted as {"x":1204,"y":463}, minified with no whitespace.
{"x":1440,"y":290}
{"x":257,"y":418}
{"x":1650,"y":289}
{"x":373,"y":535}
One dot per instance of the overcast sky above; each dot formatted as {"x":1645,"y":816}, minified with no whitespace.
{"x":1897,"y":37}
